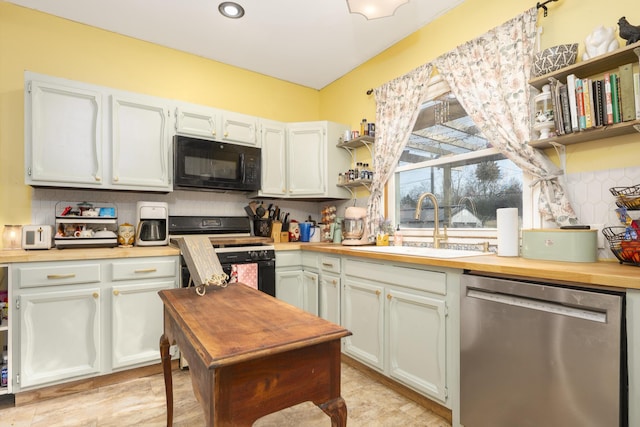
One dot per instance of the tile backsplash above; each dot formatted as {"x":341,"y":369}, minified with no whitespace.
{"x":180,"y":203}
{"x":593,"y":202}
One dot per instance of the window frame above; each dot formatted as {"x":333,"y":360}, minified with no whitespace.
{"x":438,"y":87}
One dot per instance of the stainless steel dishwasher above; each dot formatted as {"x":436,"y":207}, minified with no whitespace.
{"x":541,"y":354}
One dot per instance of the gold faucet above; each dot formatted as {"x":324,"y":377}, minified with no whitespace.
{"x":437,"y":237}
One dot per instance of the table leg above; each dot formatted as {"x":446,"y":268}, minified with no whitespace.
{"x":168,"y":380}
{"x":337,"y":410}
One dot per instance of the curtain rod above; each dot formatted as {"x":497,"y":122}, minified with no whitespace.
{"x":543,"y":6}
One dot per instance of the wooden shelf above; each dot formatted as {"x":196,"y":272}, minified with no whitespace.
{"x":593,"y":66}
{"x":586,"y":135}
{"x":360,"y":182}
{"x":360,"y":141}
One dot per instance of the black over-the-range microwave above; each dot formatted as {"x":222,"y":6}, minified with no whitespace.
{"x":200,"y":164}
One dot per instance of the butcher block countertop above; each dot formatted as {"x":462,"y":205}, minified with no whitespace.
{"x":606,"y":273}
{"x":74,"y":254}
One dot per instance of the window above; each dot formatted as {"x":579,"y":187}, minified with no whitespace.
{"x":448,"y":156}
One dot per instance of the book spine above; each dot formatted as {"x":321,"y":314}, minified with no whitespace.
{"x":627,"y":98}
{"x":636,"y":92}
{"x":566,"y":112}
{"x":615,"y":98}
{"x":588,"y":103}
{"x":607,"y":99}
{"x":580,"y":104}
{"x":573,"y":103}
{"x":597,"y":102}
{"x":557,"y":107}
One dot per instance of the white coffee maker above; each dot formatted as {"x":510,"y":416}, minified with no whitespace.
{"x":152,"y":224}
{"x":354,"y":230}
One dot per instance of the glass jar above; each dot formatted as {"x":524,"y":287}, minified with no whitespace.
{"x":543,"y":121}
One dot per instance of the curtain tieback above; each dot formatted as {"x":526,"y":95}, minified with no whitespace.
{"x":549,"y":177}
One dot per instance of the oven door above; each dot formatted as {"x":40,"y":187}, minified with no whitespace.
{"x":213,"y":165}
{"x":266,"y":275}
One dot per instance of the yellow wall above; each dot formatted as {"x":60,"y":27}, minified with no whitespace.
{"x":31,"y":40}
{"x":568,"y":21}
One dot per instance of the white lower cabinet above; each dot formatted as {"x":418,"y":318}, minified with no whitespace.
{"x":136,"y":322}
{"x":60,"y":335}
{"x":397,"y":315}
{"x":78,"y":319}
{"x":294,"y":284}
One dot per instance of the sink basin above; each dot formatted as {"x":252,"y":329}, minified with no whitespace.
{"x":419,"y":251}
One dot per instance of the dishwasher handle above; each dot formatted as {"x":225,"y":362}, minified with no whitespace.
{"x":539,"y":305}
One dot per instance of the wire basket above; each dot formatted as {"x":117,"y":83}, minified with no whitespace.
{"x":627,"y":197}
{"x":626,"y":250}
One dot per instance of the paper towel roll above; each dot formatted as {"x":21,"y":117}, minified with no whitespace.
{"x":508,"y":236}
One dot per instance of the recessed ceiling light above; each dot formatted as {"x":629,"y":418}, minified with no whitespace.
{"x":231,"y":10}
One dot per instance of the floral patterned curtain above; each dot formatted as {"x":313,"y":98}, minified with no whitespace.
{"x":489,"y":77}
{"x":397,"y":109}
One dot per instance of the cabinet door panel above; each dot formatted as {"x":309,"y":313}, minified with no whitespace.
{"x":59,"y":335}
{"x":136,"y":321}
{"x":274,"y":182}
{"x":66,"y":135}
{"x":310,"y":284}
{"x":364,"y":317}
{"x":289,"y":287}
{"x":417,"y":342}
{"x":140,"y":144}
{"x":306,"y":162}
{"x":240,"y":128}
{"x":329,"y":304}
{"x":196,"y":122}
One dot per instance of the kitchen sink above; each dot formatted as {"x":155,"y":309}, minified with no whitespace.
{"x":420,"y":251}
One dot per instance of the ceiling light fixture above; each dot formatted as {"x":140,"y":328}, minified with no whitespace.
{"x":374,"y":9}
{"x":231,"y":10}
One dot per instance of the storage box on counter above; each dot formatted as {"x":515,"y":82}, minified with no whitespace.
{"x":560,"y":245}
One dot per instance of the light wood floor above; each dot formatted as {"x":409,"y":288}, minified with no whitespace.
{"x":141,"y":402}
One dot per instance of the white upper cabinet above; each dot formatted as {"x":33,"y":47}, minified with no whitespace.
{"x":74,"y":138}
{"x":274,"y":150}
{"x":305,"y":162}
{"x":140,"y":143}
{"x":240,"y":129}
{"x":196,"y":120}
{"x":63,"y":134}
{"x":211,"y":123}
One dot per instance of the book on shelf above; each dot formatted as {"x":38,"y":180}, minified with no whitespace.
{"x":573,"y":103}
{"x":596,"y":91}
{"x":627,"y":96}
{"x":615,"y":97}
{"x":636,"y":92}
{"x":588,"y":103}
{"x":582,"y":120}
{"x":564,"y":103}
{"x":607,"y":99}
{"x":557,"y":106}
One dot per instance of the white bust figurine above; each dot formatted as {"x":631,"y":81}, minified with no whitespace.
{"x":600,"y":41}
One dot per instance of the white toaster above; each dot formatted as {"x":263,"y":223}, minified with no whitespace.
{"x":36,"y":236}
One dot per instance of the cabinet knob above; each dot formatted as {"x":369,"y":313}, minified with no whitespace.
{"x":389,"y":297}
{"x":313,"y":278}
{"x":213,"y":132}
{"x":95,"y":295}
{"x":378,"y":293}
{"x":335,"y":282}
{"x":226,"y":134}
{"x":116,"y":292}
{"x":97,"y":178}
{"x":116,"y":178}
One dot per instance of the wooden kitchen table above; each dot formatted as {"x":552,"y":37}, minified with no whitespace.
{"x":250,"y":354}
